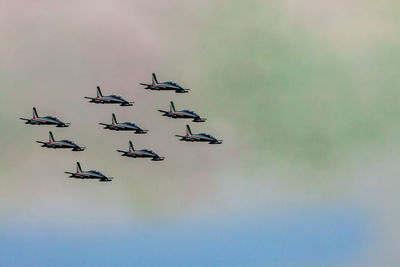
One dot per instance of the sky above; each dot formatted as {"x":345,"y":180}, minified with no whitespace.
{"x":303,"y":93}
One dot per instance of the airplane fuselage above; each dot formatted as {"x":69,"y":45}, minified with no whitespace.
{"x":109,"y":100}
{"x":141,"y":154}
{"x":183,"y":114}
{"x":90,"y":175}
{"x":166,"y":86}
{"x":125,"y":126}
{"x":61,"y":144}
{"x":200,"y":138}
{"x":46,"y":121}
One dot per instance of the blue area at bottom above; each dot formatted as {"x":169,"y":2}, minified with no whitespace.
{"x":308,"y":239}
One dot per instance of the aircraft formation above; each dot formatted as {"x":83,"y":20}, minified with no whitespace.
{"x":123,"y":126}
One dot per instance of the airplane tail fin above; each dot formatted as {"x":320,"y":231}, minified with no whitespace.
{"x":114,"y":119}
{"x":35,"y":114}
{"x":78,"y":168}
{"x":99,"y":94}
{"x":51,"y":137}
{"x":188,"y":131}
{"x":131,"y":148}
{"x":153,"y":79}
{"x":172,"y":107}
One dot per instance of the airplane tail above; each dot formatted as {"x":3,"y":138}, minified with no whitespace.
{"x":51,"y":137}
{"x":153,"y":79}
{"x":188,"y":131}
{"x":78,"y":168}
{"x":172,"y":107}
{"x":99,"y":94}
{"x":35,"y":114}
{"x":131,"y":148}
{"x":114,"y":119}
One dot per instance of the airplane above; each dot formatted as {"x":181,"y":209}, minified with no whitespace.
{"x":79,"y":174}
{"x":143,"y":153}
{"x":110,"y":99}
{"x":60,"y":144}
{"x":181,"y":114}
{"x":164,"y":86}
{"x":47,"y":120}
{"x":123,"y":126}
{"x":202,"y":137}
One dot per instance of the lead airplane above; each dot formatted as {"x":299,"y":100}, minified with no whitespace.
{"x":79,"y":174}
{"x":110,"y":99}
{"x":123,"y":126}
{"x":60,"y":144}
{"x":164,"y":86}
{"x":201,"y":137}
{"x":46,"y":120}
{"x":143,"y":153}
{"x":181,"y":114}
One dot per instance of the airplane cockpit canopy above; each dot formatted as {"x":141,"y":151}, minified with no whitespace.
{"x":172,"y":83}
{"x":96,"y":172}
{"x":68,"y":142}
{"x":207,"y":135}
{"x":116,"y":96}
{"x":52,"y":118}
{"x":189,"y":111}
{"x":131,"y":124}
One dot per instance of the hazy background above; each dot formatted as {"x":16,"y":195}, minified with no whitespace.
{"x":303,"y":93}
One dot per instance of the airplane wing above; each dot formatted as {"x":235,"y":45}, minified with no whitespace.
{"x":79,"y":148}
{"x":127,"y":104}
{"x":140,"y":131}
{"x":158,"y":158}
{"x":88,"y":97}
{"x":63,"y":124}
{"x":69,"y":173}
{"x":24,"y":119}
{"x":40,"y":142}
{"x":148,"y":86}
{"x":182,"y":91}
{"x":106,"y":179}
{"x":105,"y":124}
{"x":163,"y":111}
{"x":199,"y":120}
{"x":122,"y":151}
{"x":181,"y":136}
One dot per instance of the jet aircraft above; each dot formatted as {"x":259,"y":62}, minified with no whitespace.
{"x":60,"y":144}
{"x":123,"y":126}
{"x":202,"y":137}
{"x":143,"y":153}
{"x":79,"y":174}
{"x":110,"y":99}
{"x":47,"y":120}
{"x":164,"y":86}
{"x":184,"y":114}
